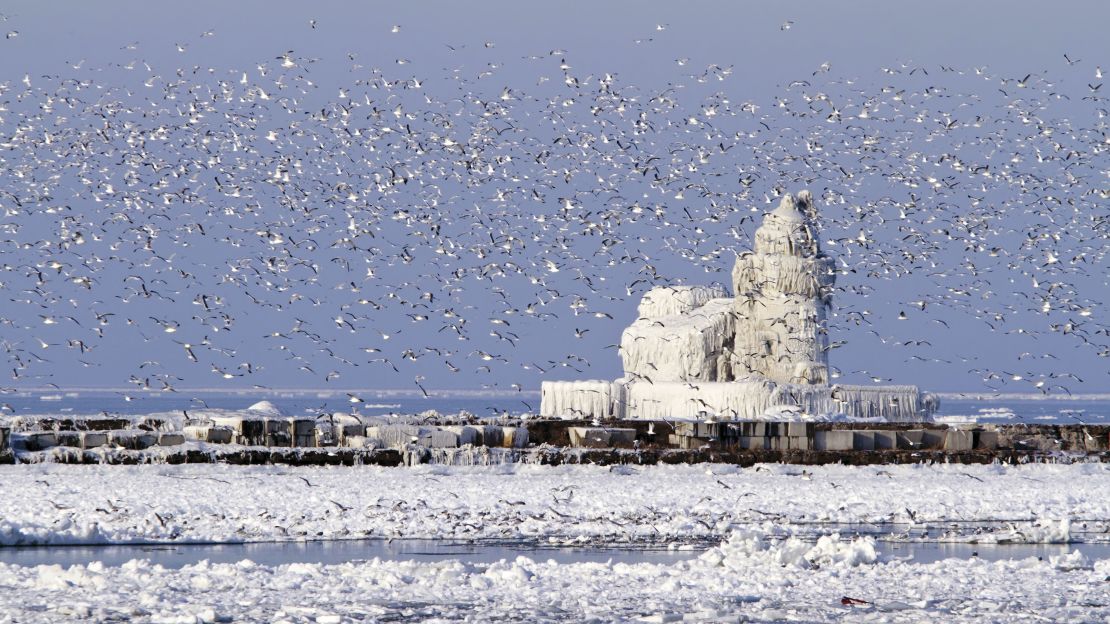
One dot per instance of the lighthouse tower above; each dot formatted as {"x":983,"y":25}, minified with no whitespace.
{"x":694,"y":352}
{"x":783,"y":289}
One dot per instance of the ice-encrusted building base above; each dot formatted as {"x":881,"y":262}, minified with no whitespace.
{"x":754,"y":399}
{"x":694,"y":352}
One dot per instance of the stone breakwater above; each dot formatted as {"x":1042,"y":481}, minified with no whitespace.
{"x":256,"y":439}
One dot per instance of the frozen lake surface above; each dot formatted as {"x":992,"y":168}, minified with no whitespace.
{"x":743,"y":579}
{"x":568,"y":505}
{"x":524,"y":543}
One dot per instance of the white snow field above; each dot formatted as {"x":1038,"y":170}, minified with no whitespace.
{"x":746,"y":578}
{"x":742,"y":580}
{"x":64,"y":504}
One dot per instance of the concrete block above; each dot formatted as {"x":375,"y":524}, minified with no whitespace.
{"x":396,"y":436}
{"x":349,"y":429}
{"x":912,"y":439}
{"x":211,"y":435}
{"x":863,"y":440}
{"x":515,"y":437}
{"x":279,"y":425}
{"x":689,"y":442}
{"x":490,"y":435}
{"x":591,"y":437}
{"x":958,"y":440}
{"x":799,"y":429}
{"x":885,"y":440}
{"x":685,"y":428}
{"x":834,"y":440}
{"x":362,"y":442}
{"x":933,"y":438}
{"x":438,"y":438}
{"x":279,"y":432}
{"x":799,"y":443}
{"x":987,"y":440}
{"x":171,"y":439}
{"x":622,"y":437}
{"x":708,"y":430}
{"x":68,"y":438}
{"x":41,"y":440}
{"x":307,"y":426}
{"x":220,"y":435}
{"x":250,"y":432}
{"x":758,"y":443}
{"x":466,"y":434}
{"x":732,"y":430}
{"x":93,"y":439}
{"x":753,"y":429}
{"x":196,"y":432}
{"x":134,"y":440}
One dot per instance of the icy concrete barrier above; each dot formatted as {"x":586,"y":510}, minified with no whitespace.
{"x":581,"y":399}
{"x":212,"y":434}
{"x":279,"y":432}
{"x":514,"y":437}
{"x":472,"y":456}
{"x":956,"y":440}
{"x":304,"y":432}
{"x":404,"y":436}
{"x":255,"y":430}
{"x":834,"y":440}
{"x":82,"y":439}
{"x":246,"y":430}
{"x":401,"y":436}
{"x":362,"y":442}
{"x":132,"y":440}
{"x":489,"y":435}
{"x":327,"y":430}
{"x":602,"y":437}
{"x":466,"y":434}
{"x":40,"y":441}
{"x":395,"y":436}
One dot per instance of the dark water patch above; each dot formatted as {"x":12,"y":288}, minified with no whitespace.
{"x":334,"y":552}
{"x":421,"y":550}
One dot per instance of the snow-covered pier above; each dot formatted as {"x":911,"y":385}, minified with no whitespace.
{"x":248,"y":439}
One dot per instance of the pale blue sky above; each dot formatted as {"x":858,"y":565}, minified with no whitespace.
{"x":648,"y":47}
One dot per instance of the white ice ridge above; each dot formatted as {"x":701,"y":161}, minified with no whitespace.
{"x":744,"y":399}
{"x":695,"y":352}
{"x":744,"y":579}
{"x":65,"y":504}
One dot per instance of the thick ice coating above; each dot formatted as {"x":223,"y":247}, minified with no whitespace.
{"x":694,"y":351}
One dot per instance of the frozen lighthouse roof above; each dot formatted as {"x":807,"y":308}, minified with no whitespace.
{"x":763,"y":353}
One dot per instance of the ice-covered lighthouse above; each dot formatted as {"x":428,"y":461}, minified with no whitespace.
{"x":694,"y":352}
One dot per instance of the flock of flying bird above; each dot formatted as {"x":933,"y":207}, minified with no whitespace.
{"x":337,"y":222}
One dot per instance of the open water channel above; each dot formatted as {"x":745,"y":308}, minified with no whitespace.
{"x":425,"y":550}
